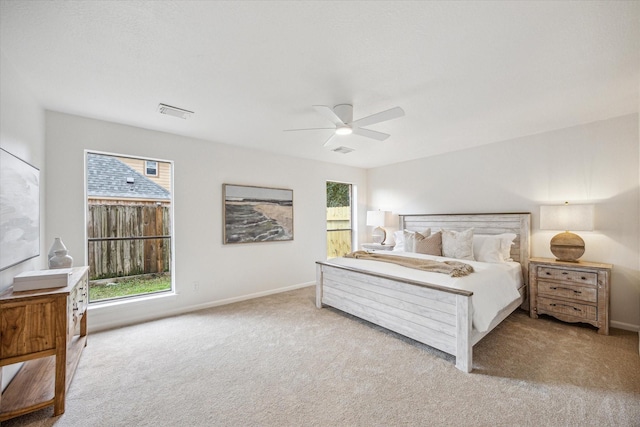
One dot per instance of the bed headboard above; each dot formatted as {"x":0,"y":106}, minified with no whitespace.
{"x":487,"y":223}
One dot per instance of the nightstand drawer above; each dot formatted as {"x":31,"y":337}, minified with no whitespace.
{"x":582,"y":311}
{"x":583,"y":277}
{"x":568,"y":291}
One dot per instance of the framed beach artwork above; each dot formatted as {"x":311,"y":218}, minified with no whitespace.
{"x":257,"y":214}
{"x":19,"y":210}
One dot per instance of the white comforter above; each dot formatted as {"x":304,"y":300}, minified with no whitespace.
{"x":494,"y":285}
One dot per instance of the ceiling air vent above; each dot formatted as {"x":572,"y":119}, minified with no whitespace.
{"x":174,"y":111}
{"x":343,"y":150}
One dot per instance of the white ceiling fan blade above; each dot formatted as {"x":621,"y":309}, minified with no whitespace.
{"x":382,"y":116}
{"x":328,"y":141}
{"x":329,"y":114}
{"x":295,"y":130}
{"x":371,"y":134}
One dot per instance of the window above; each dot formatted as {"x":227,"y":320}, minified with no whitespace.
{"x":150,"y":168}
{"x":339,"y":219}
{"x":129,"y":228}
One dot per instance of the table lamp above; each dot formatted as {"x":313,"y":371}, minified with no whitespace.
{"x":567,"y":246}
{"x":376,"y":219}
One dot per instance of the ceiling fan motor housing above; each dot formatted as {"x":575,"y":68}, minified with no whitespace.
{"x":344,"y":112}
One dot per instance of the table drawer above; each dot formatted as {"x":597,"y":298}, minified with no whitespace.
{"x":83,"y":295}
{"x":581,"y":311}
{"x":568,"y":291}
{"x":76,"y":307}
{"x":582,"y":277}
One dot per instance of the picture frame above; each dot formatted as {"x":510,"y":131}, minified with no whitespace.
{"x":19,"y":210}
{"x":253,"y":214}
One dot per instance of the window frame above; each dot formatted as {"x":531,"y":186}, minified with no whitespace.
{"x":352,"y":221}
{"x":146,"y":168}
{"x":138,"y":297}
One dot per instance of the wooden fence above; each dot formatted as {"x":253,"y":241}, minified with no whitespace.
{"x":339,"y":232}
{"x":338,"y":243}
{"x":126,"y":240}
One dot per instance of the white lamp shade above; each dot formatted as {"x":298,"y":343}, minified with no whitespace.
{"x":376,"y":218}
{"x":567,"y":217}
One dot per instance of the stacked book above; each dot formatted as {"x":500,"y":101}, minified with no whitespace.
{"x":42,"y":279}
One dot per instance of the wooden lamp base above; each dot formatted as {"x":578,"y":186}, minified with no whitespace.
{"x":567,"y":247}
{"x":379,"y":235}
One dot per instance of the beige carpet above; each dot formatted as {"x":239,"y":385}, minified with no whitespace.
{"x":279,"y":361}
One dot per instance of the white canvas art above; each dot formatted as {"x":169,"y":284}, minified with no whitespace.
{"x":19,"y":210}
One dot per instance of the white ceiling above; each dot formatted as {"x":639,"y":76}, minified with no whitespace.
{"x":466,"y":73}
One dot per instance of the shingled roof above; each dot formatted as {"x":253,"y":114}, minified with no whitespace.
{"x":109,"y":177}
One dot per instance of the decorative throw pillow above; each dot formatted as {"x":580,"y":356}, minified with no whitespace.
{"x":431,"y":245}
{"x":410,"y":241}
{"x":487,"y":248}
{"x":458,"y":244}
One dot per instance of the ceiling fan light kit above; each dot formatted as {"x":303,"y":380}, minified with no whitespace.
{"x":344,"y":130}
{"x":341,"y":116}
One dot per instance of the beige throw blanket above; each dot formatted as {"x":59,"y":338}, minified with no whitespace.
{"x":452,"y":268}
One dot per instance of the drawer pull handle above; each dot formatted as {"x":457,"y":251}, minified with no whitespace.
{"x":583,"y":278}
{"x":548,"y":274}
{"x":566,"y":289}
{"x":565,"y":305}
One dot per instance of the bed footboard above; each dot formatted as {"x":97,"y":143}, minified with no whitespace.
{"x":438,"y":317}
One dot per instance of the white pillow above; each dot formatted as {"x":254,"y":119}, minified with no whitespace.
{"x":458,"y":244}
{"x":493,"y":248}
{"x":409,"y":239}
{"x":505,"y":247}
{"x":398,"y":237}
{"x":487,"y":248}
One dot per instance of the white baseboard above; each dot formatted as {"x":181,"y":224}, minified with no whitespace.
{"x":625,"y":326}
{"x":244,"y":297}
{"x":123,"y":313}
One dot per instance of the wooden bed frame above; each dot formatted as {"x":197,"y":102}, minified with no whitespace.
{"x":438,"y":316}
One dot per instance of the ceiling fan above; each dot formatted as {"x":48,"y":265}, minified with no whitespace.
{"x":342,"y":117}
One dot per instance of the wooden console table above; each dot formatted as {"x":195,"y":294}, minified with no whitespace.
{"x":47,"y":330}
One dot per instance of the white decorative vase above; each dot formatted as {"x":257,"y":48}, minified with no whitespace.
{"x":56,"y":246}
{"x":61,"y":259}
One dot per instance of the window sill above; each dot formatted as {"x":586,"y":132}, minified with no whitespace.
{"x":131,"y":300}
{"x":118,"y":313}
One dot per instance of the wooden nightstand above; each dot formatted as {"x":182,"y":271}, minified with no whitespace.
{"x":377,"y":247}
{"x":570,"y":291}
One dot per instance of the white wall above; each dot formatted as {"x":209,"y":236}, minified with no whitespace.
{"x":21,"y":134}
{"x":597,"y":163}
{"x":224,"y":272}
